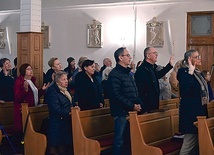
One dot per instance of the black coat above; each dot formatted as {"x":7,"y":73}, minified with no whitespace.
{"x":89,"y":94}
{"x":190,"y":103}
{"x":148,"y":85}
{"x":122,"y":91}
{"x":59,"y":105}
{"x":48,"y":76}
{"x":6,"y":87}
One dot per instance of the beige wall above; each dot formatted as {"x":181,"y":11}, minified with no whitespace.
{"x":68,"y":27}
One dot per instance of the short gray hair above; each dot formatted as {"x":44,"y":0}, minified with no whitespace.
{"x":58,"y":75}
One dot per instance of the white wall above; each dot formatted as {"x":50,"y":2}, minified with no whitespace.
{"x":69,"y":24}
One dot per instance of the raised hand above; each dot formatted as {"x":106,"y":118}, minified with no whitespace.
{"x":171,"y":59}
{"x":45,"y":86}
{"x":191,"y":66}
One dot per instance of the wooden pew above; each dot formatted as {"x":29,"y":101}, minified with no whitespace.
{"x":35,"y":143}
{"x":210,"y":107}
{"x":92,"y":131}
{"x":205,"y":135}
{"x":6,"y":117}
{"x":106,"y":103}
{"x":151,"y":133}
{"x":169,"y":104}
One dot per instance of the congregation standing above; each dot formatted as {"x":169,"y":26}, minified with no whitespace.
{"x":87,"y":85}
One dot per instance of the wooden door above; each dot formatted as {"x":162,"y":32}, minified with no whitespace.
{"x":203,"y":40}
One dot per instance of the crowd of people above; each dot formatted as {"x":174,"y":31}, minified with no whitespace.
{"x":88,"y":84}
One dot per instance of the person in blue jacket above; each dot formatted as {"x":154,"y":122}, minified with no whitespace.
{"x":59,"y":103}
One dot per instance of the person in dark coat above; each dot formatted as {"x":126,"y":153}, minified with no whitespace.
{"x":6,"y":81}
{"x":146,"y":78}
{"x":14,"y":70}
{"x":207,"y":77}
{"x":194,"y":96}
{"x":59,"y":103}
{"x":71,"y":70}
{"x":123,"y":97}
{"x":88,"y":89}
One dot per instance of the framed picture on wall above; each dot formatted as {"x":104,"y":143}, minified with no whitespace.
{"x":46,"y":36}
{"x":94,"y":35}
{"x":2,"y":38}
{"x":155,"y":34}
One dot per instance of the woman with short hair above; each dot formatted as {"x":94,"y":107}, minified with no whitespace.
{"x":6,"y":81}
{"x":59,"y":103}
{"x":88,"y":89}
{"x":25,"y":91}
{"x":194,"y":96}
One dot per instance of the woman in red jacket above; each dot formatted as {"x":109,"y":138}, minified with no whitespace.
{"x":25,"y":91}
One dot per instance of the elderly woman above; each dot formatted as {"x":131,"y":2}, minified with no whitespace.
{"x":6,"y":81}
{"x":88,"y":89}
{"x":59,"y":103}
{"x":25,"y":91}
{"x":194,"y":97}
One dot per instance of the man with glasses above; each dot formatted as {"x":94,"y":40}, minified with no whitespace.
{"x":146,"y":78}
{"x":123,"y":97}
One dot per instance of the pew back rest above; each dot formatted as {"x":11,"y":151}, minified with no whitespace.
{"x":206,"y":135}
{"x":89,"y":127}
{"x":35,"y":143}
{"x":170,"y":104}
{"x":210,"y":107}
{"x":38,"y":114}
{"x":158,"y":127}
{"x":7,"y":116}
{"x":153,"y":129}
{"x":97,"y":122}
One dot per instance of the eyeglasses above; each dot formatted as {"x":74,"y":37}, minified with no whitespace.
{"x":29,"y":69}
{"x":156,"y":53}
{"x":128,"y":55}
{"x":197,"y":57}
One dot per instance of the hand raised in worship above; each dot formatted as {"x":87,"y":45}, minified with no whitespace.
{"x":191,"y":66}
{"x":171,"y":59}
{"x":45,"y":86}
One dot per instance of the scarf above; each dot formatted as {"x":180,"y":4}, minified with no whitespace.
{"x":35,"y":91}
{"x":204,"y":87}
{"x":65,"y":92}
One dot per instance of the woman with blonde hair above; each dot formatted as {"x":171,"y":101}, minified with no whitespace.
{"x":173,"y":78}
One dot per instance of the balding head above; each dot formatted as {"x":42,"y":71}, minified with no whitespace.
{"x":107,"y":62}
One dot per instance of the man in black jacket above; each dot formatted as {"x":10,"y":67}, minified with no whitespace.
{"x":123,"y":97}
{"x":146,"y":78}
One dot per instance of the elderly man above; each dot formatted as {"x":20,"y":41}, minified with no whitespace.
{"x":146,"y":78}
{"x":106,"y":63}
